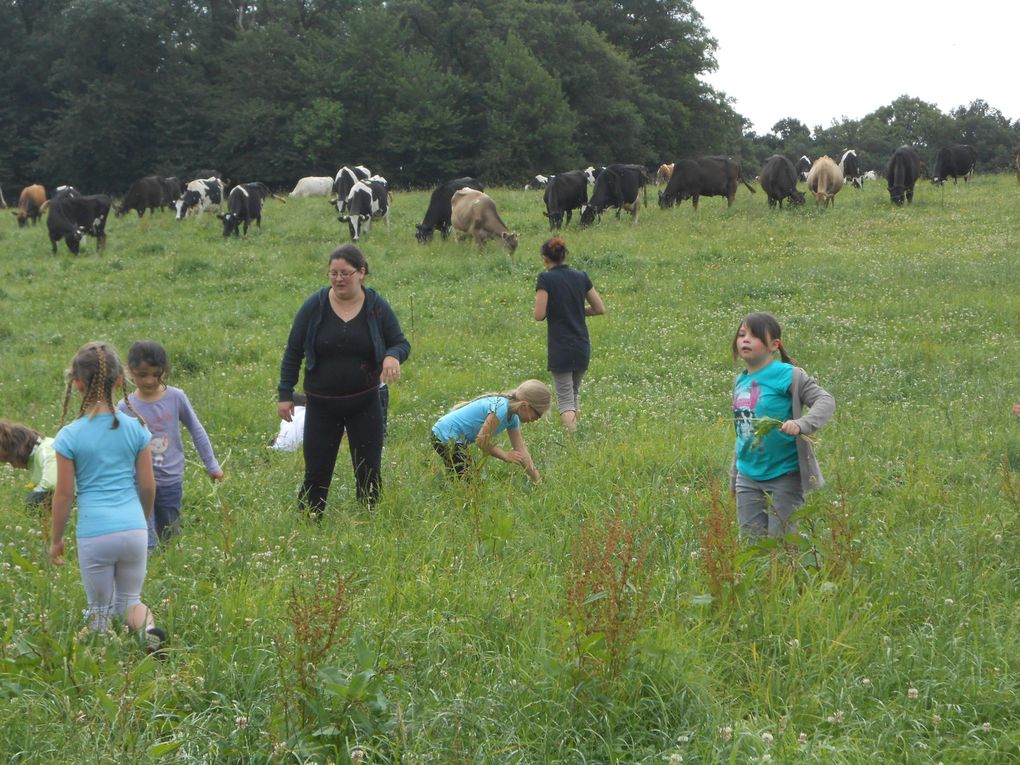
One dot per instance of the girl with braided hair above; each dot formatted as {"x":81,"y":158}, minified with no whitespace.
{"x":105,"y":455}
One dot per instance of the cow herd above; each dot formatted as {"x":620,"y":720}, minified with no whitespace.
{"x":462,"y":205}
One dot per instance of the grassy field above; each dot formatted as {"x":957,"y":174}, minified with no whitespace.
{"x":606,"y":615}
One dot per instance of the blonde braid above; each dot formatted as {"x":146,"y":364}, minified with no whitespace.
{"x":127,"y":403}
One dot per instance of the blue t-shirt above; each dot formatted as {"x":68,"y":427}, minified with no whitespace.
{"x":462,"y":425}
{"x":104,"y":471}
{"x":765,"y":393}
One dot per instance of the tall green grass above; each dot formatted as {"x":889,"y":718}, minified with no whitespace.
{"x":458,"y":643}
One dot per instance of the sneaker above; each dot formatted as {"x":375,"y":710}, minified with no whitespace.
{"x":155,"y":643}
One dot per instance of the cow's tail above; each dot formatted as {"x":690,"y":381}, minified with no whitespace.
{"x":750,"y":188}
{"x":277,"y":196}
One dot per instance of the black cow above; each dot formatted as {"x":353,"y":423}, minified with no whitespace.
{"x":902,"y":173}
{"x":803,"y":166}
{"x":345,"y":179}
{"x":703,"y":177}
{"x":367,"y":201}
{"x":244,"y":205}
{"x":955,"y":161}
{"x":616,"y":186}
{"x":851,"y":168}
{"x":437,"y":216}
{"x":72,"y":216}
{"x":172,"y":189}
{"x":565,"y":193}
{"x":145,"y":194}
{"x":778,"y":178}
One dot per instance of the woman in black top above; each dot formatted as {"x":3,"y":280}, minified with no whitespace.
{"x":560,"y":297}
{"x":350,"y":340}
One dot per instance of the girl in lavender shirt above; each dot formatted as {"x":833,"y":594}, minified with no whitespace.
{"x":164,"y":408}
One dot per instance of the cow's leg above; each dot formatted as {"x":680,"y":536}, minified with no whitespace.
{"x":694,"y":201}
{"x":569,"y":213}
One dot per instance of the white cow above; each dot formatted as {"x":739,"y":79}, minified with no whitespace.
{"x":313,"y":186}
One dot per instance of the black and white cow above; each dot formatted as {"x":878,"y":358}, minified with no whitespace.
{"x":368,"y":200}
{"x":345,"y":179}
{"x":565,"y":193}
{"x":72,"y":216}
{"x":803,"y":166}
{"x":851,"y":168}
{"x":538,"y":182}
{"x":199,"y":196}
{"x":437,"y":216}
{"x":778,"y":178}
{"x":902,"y":173}
{"x":592,"y":173}
{"x":144,"y":194}
{"x":617,"y":186}
{"x":244,"y":205}
{"x":955,"y":161}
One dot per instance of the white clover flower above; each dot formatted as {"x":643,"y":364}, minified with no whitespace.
{"x":912,"y":693}
{"x":683,"y":739}
{"x":865,"y":682}
{"x":767,"y":737}
{"x":357,"y":755}
{"x":794,"y":644}
{"x":986,"y":727}
{"x":727,"y":732}
{"x":998,"y":539}
{"x":802,"y":738}
{"x":936,"y":719}
{"x":949,"y":601}
{"x":676,"y":758}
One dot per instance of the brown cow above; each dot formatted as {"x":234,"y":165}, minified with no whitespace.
{"x":1016,"y":161}
{"x":474,"y":214}
{"x":825,"y":180}
{"x":664,"y":174}
{"x":30,"y":204}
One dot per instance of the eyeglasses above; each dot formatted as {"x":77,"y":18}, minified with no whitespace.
{"x":341,"y":274}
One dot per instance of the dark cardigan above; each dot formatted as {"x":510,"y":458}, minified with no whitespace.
{"x":387,"y":338}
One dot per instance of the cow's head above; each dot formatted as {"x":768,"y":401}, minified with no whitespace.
{"x":555,"y":219}
{"x":21,"y":216}
{"x":796,"y":198}
{"x":74,"y":238}
{"x":898,"y":195}
{"x":665,"y":200}
{"x":187,"y":200}
{"x":510,"y":241}
{"x":587,"y":215}
{"x":231,"y":224}
{"x":423,"y":233}
{"x":356,"y":223}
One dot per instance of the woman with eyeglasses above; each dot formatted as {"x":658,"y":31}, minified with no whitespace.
{"x":350,"y":340}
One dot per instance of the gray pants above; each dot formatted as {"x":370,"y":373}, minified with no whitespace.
{"x":568,"y":390}
{"x":112,"y":570}
{"x":765,"y":507}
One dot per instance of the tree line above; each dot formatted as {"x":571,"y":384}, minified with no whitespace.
{"x":100,"y":93}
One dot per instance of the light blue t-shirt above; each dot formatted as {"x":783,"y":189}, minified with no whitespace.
{"x":765,"y":393}
{"x":104,"y":471}
{"x":462,"y":425}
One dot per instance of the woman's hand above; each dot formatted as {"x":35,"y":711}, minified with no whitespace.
{"x":57,"y":552}
{"x":515,"y":457}
{"x":286,"y":410}
{"x":790,"y":428}
{"x":390,"y":369}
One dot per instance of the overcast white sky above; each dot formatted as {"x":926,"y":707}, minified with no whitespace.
{"x":796,"y":58}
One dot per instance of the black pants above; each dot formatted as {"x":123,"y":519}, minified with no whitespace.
{"x":455,"y":456}
{"x":326,"y":420}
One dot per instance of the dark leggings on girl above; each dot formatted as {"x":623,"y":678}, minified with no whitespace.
{"x":326,"y":420}
{"x":455,"y":456}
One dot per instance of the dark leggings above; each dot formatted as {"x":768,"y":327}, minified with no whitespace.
{"x":455,"y":456}
{"x":326,"y":420}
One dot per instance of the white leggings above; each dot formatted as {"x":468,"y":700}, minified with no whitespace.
{"x":112,"y":570}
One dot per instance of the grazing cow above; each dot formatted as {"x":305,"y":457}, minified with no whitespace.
{"x":345,"y":179}
{"x":244,"y":205}
{"x":172,"y":189}
{"x":1016,"y":161}
{"x":803,"y":166}
{"x":955,"y":161}
{"x":538,"y":182}
{"x":851,"y":169}
{"x":473,"y":213}
{"x":617,"y":186}
{"x":703,"y":177}
{"x":313,"y":186}
{"x":565,"y":193}
{"x":3,"y":202}
{"x":778,"y":178}
{"x":145,"y":194}
{"x":199,"y":196}
{"x":592,"y":173}
{"x":825,"y":180}
{"x":30,"y":204}
{"x":72,"y":216}
{"x":664,"y":173}
{"x":902,"y":174}
{"x":368,"y":200}
{"x":437,"y":216}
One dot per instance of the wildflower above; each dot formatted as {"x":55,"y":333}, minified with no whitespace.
{"x":683,"y":739}
{"x":802,"y":738}
{"x":727,"y":732}
{"x":865,"y":682}
{"x":986,"y":727}
{"x":936,"y":719}
{"x":912,"y":693}
{"x":949,"y":601}
{"x":794,"y":644}
{"x":357,"y":755}
{"x":766,"y":757}
{"x":676,"y":758}
{"x":766,"y":737}
{"x":241,"y":721}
